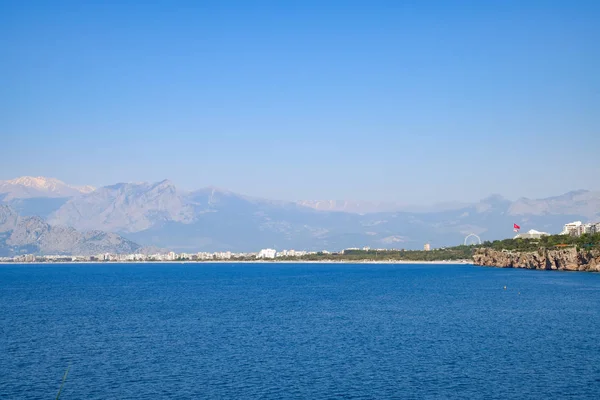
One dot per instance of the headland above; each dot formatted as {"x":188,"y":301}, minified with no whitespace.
{"x":555,"y":252}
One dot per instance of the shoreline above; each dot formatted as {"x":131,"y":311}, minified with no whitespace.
{"x":565,"y":259}
{"x":457,"y":262}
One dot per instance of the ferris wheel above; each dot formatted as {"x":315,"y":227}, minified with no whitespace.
{"x":472,"y":239}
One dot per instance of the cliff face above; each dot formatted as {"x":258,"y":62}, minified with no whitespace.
{"x":20,"y":235}
{"x":565,"y":259}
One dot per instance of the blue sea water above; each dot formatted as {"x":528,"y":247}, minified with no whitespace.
{"x":305,"y":331}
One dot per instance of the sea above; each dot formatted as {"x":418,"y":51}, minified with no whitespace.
{"x":297,"y":331}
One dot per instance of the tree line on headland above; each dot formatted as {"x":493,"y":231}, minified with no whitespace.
{"x":546,"y":242}
{"x":449,"y":254}
{"x":456,"y":253}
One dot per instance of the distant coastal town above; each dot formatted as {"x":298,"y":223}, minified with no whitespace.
{"x":459,"y":253}
{"x":264,"y":254}
{"x":168,"y":256}
{"x":573,"y":234}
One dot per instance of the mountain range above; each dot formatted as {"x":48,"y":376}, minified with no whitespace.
{"x":367,"y":207}
{"x":28,"y":187}
{"x":33,"y":235}
{"x":210,"y":219}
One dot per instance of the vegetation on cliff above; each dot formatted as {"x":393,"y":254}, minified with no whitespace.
{"x":556,"y":252}
{"x":585,"y":241}
{"x":444,"y":254}
{"x":562,"y":259}
{"x":557,"y":242}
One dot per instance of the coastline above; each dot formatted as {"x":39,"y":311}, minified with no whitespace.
{"x":567,"y":259}
{"x":446,"y":262}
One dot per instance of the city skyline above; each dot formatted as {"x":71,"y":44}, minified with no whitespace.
{"x":414,"y":102}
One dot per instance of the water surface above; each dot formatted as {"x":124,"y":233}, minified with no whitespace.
{"x":313,"y":331}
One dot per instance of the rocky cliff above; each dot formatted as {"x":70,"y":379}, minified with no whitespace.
{"x":569,"y":259}
{"x":21,"y":235}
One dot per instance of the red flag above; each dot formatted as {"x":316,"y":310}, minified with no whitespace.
{"x":516,"y":227}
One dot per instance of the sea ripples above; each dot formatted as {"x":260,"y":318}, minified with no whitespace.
{"x":297,"y":331}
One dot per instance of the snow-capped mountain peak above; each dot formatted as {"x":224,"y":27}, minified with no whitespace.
{"x":30,"y":186}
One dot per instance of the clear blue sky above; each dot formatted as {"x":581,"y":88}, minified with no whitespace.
{"x":412,"y":101}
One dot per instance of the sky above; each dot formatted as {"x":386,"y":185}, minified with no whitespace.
{"x":408,"y":101}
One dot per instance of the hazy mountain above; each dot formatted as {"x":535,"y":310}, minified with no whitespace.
{"x":159,"y":214}
{"x":367,"y":207}
{"x":125,"y":207}
{"x":243,"y":225}
{"x":359,"y":207}
{"x":29,"y":187}
{"x":19,"y":235}
{"x":224,"y":220}
{"x":40,"y":196}
{"x":580,"y":202}
{"x":211,"y":219}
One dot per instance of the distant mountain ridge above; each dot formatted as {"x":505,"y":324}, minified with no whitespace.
{"x":369,"y":207}
{"x":125,"y":207}
{"x":583,"y":202}
{"x":20,"y":235}
{"x":209,"y":219}
{"x":28,"y":187}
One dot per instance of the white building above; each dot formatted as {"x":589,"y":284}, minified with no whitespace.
{"x":223,"y":255}
{"x":427,"y":247}
{"x":571,"y":228}
{"x":266,"y":253}
{"x":286,"y":253}
{"x":531,"y":234}
{"x":204,"y":256}
{"x":577,"y":228}
{"x":588,"y":228}
{"x":290,"y":253}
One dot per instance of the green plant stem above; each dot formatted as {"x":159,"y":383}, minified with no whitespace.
{"x":63,"y":382}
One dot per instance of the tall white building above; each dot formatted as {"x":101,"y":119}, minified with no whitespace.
{"x":266,"y":253}
{"x":577,"y":228}
{"x":571,"y":228}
